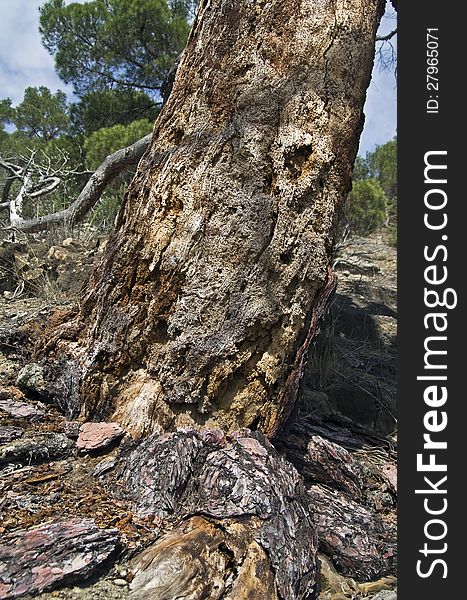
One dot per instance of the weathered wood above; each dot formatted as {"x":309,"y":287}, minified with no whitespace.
{"x":359,"y":543}
{"x":45,"y":557}
{"x":36,"y":448}
{"x":207,"y":297}
{"x":242,"y":523}
{"x":106,"y":172}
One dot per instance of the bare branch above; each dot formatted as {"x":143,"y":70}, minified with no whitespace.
{"x":15,"y":170}
{"x":387,"y":56}
{"x":112,"y":166}
{"x":44,"y":187}
{"x":387,"y":37}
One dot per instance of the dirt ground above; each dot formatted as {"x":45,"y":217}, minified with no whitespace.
{"x":357,"y":350}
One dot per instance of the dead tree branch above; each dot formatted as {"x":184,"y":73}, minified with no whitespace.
{"x":48,"y":180}
{"x":387,"y":37}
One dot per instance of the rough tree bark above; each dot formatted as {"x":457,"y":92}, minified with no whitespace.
{"x":198,"y":320}
{"x":208,"y":295}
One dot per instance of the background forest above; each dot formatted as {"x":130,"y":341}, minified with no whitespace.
{"x":117,"y":55}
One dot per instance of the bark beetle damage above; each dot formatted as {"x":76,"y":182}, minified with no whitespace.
{"x":196,"y":315}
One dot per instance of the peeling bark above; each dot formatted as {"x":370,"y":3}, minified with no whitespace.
{"x":358,"y":542}
{"x":322,"y":461}
{"x":208,"y":295}
{"x":351,"y":494}
{"x":45,"y":557}
{"x":242,"y":526}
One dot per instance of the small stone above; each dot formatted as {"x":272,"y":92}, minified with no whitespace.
{"x":58,"y":253}
{"x":104,"y":466}
{"x":120,"y":582}
{"x":31,"y":379}
{"x":71,"y":429}
{"x":21,"y":410}
{"x":385,"y":595}
{"x":97,"y":436}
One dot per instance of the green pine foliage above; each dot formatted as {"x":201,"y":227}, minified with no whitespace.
{"x":108,"y":140}
{"x":114,"y":44}
{"x":366,"y":208}
{"x":372,"y":202}
{"x":116,"y":54}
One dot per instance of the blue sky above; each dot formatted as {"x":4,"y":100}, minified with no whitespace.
{"x":24,"y":62}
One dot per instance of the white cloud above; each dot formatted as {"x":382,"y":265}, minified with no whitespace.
{"x":23,"y":60}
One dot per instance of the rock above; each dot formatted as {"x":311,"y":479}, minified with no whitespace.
{"x":21,"y":410}
{"x":353,"y":402}
{"x":36,"y":448}
{"x":7,"y":367}
{"x":71,"y":429}
{"x":9,"y":433}
{"x":42,"y":558}
{"x":315,"y":403}
{"x":58,"y":253}
{"x":11,"y":393}
{"x":31,"y":379}
{"x":120,"y":582}
{"x":33,"y":274}
{"x":361,"y":406}
{"x":98,"y":436}
{"x":64,"y":377}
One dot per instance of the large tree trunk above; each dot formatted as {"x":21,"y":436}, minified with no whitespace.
{"x":208,"y":296}
{"x":204,"y":306}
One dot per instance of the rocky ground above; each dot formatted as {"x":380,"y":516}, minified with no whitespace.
{"x":351,"y":373}
{"x":56,"y":471}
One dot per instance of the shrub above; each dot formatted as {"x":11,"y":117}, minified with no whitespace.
{"x":365,"y":210}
